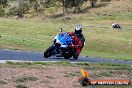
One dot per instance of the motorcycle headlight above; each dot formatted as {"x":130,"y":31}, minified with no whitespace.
{"x":64,"y":46}
{"x":57,"y":41}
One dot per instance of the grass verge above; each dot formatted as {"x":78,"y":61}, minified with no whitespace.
{"x":101,"y":39}
{"x":48,"y":73}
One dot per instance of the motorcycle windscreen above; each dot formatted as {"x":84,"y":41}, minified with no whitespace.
{"x":65,"y":39}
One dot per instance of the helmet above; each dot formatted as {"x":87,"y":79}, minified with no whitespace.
{"x":78,"y":30}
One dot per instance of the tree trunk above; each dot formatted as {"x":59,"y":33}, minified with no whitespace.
{"x":63,"y":6}
{"x":20,"y":3}
{"x":20,"y":13}
{"x":92,"y":4}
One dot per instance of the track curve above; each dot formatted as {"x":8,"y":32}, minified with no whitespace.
{"x":9,"y":55}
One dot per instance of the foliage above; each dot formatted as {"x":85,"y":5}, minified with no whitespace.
{"x":105,"y":0}
{"x":23,"y":6}
{"x":93,"y":3}
{"x":76,"y":4}
{"x":19,"y":10}
{"x":3,"y":5}
{"x":39,"y":5}
{"x":2,"y":11}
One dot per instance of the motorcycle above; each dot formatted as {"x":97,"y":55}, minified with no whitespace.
{"x":61,"y":45}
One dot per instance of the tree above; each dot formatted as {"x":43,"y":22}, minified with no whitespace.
{"x":41,"y":4}
{"x":3,"y":5}
{"x":69,"y":4}
{"x":20,"y":9}
{"x":93,"y":3}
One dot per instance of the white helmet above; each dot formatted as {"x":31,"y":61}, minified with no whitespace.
{"x":78,"y":30}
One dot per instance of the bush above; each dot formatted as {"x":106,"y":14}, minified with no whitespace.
{"x":105,"y":0}
{"x":19,"y":10}
{"x":3,"y":5}
{"x":2,"y":11}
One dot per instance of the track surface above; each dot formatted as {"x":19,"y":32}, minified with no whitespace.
{"x":11,"y":55}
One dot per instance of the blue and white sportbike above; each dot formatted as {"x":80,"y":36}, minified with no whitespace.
{"x":61,"y":46}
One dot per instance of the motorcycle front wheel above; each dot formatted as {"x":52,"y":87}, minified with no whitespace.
{"x":49,"y":51}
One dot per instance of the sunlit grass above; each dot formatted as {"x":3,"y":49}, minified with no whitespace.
{"x":101,"y":40}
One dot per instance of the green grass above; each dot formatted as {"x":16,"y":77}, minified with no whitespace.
{"x":21,"y":86}
{"x":90,"y":66}
{"x":2,"y":82}
{"x":26,"y":78}
{"x":97,"y":70}
{"x":38,"y":36}
{"x":101,"y":40}
{"x":71,"y":74}
{"x":36,"y":64}
{"x":118,"y":16}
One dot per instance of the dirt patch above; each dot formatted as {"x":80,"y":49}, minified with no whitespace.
{"x":55,"y":76}
{"x":47,"y":77}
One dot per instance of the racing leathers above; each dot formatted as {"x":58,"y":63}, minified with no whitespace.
{"x":78,"y":43}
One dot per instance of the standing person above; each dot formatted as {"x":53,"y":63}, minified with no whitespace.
{"x":78,"y":40}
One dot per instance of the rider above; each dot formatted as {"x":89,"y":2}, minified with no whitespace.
{"x":78,"y":40}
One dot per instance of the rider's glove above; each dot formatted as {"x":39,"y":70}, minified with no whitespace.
{"x":72,"y":46}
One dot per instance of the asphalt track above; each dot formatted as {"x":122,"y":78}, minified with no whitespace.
{"x":18,"y":55}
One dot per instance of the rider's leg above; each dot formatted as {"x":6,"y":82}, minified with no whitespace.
{"x":77,"y":52}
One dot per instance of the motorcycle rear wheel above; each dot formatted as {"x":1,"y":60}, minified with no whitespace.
{"x":75,"y":56}
{"x":66,"y":57}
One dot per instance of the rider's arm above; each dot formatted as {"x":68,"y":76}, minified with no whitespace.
{"x":71,"y":33}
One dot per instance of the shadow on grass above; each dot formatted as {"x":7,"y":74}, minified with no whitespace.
{"x":85,"y":10}
{"x":57,"y":16}
{"x":101,"y":5}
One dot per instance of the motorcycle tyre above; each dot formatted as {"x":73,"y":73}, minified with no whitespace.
{"x":66,"y":57}
{"x":49,"y":51}
{"x":75,"y":56}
